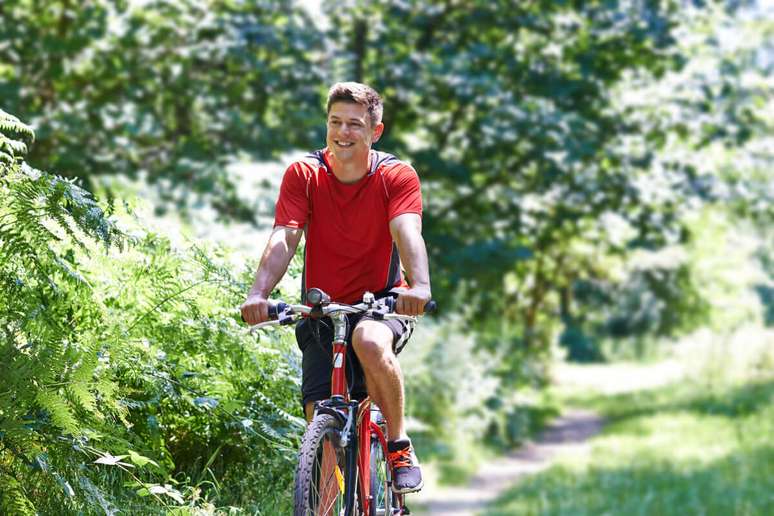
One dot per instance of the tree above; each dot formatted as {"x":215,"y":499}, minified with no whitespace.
{"x":168,"y":90}
{"x":507,"y":112}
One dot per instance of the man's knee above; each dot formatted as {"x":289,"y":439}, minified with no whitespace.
{"x":309,"y":411}
{"x":372,"y":342}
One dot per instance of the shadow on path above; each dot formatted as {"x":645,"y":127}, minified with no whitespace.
{"x":567,"y":432}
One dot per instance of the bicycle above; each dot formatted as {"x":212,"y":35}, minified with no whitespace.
{"x":342,"y":468}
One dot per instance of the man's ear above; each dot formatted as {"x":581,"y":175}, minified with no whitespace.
{"x":378,"y":130}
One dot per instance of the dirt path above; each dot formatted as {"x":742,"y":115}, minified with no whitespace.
{"x":568,"y":432}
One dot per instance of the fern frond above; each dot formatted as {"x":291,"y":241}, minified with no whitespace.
{"x":5,"y":160}
{"x":58,"y":409}
{"x":81,"y":381}
{"x":12,"y":126}
{"x":13,"y":500}
{"x":13,"y":147}
{"x":14,"y":136}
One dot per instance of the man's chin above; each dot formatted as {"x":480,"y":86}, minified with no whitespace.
{"x":343,"y":154}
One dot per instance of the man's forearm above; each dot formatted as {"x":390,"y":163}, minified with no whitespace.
{"x":407,"y":233}
{"x":274,"y":262}
{"x":414,"y":257}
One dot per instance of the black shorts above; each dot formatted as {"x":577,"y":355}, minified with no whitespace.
{"x":316,"y":361}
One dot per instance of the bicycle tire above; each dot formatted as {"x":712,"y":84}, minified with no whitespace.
{"x":382,"y":497}
{"x":316,"y":481}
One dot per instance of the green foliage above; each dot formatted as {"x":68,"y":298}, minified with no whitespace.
{"x":654,"y":301}
{"x":168,"y":90}
{"x":554,"y":139}
{"x":509,"y":113}
{"x":701,"y":444}
{"x":50,"y":323}
{"x":14,"y":138}
{"x":125,"y":380}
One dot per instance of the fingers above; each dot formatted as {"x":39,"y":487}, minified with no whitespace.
{"x":255,"y":310}
{"x":411,"y":303}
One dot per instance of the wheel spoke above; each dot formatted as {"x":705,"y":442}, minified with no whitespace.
{"x":320,"y":489}
{"x":328,"y":490}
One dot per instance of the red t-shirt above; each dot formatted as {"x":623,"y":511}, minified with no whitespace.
{"x":349,"y":248}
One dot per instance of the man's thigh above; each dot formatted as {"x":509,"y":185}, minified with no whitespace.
{"x":370,"y":331}
{"x":392,"y":334}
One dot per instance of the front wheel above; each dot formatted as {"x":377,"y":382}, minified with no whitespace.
{"x":322,"y":472}
{"x":382,"y":497}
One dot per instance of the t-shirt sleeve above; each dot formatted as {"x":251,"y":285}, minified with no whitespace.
{"x":404,"y":193}
{"x":292,"y":208}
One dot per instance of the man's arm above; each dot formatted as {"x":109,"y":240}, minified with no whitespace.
{"x":274,"y":262}
{"x":406,"y":230}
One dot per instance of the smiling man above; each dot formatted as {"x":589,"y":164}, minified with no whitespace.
{"x":360,"y":212}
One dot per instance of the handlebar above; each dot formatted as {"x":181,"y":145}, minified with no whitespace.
{"x":282,"y":313}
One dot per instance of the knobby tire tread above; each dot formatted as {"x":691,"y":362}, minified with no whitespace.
{"x":311,"y":441}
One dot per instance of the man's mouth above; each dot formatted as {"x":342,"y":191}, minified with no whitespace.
{"x":343,"y":144}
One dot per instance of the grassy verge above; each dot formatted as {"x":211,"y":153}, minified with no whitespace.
{"x":700,"y":445}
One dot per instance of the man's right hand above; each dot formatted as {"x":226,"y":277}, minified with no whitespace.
{"x":255,"y":309}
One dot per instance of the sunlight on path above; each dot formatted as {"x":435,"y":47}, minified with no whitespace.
{"x":567,"y":433}
{"x":618,"y":378}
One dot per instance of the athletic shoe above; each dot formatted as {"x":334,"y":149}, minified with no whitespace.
{"x":406,"y":472}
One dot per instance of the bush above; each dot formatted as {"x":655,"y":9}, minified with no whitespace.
{"x":126,"y":380}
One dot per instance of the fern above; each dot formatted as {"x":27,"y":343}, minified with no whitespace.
{"x":13,"y":500}
{"x":48,"y":356}
{"x":106,"y":343}
{"x":14,"y":137}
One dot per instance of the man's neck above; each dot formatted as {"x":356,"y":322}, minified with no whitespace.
{"x":350,"y":171}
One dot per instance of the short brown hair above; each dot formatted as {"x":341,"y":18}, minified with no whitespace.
{"x":359,"y":94}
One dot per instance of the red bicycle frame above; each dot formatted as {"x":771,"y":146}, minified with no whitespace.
{"x":339,"y":389}
{"x":339,"y":405}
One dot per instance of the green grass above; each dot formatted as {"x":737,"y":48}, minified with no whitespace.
{"x":703,"y":447}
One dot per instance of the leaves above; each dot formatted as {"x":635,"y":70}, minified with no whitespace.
{"x":166,"y":490}
{"x":173,"y":90}
{"x":140,"y":460}
{"x":110,"y":460}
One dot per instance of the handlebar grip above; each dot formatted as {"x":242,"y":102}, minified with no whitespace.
{"x":276,"y":309}
{"x":390,"y":303}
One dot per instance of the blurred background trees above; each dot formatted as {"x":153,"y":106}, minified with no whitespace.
{"x":593,"y":174}
{"x":166,"y":90}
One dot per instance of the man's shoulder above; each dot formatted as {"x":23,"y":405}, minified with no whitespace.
{"x":311,"y":162}
{"x":389,"y":164}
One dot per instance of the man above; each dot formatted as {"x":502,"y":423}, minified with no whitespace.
{"x":360,"y":211}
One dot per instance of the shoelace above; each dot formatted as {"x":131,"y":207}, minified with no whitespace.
{"x":400,"y":458}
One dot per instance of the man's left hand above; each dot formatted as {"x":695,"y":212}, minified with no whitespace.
{"x":413,"y":301}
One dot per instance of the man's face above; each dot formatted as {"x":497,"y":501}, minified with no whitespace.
{"x":350,"y":134}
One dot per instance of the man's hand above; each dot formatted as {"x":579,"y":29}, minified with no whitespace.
{"x":255,"y":309}
{"x":413,"y":301}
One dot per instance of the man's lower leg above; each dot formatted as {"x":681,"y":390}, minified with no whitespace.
{"x":384,"y":381}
